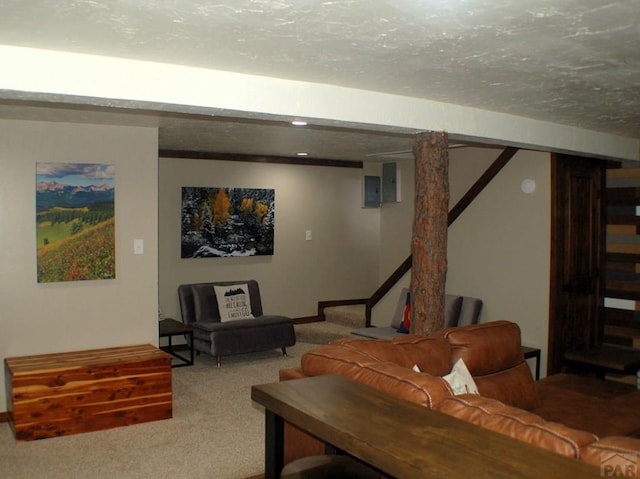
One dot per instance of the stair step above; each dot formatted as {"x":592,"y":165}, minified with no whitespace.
{"x":321,"y":332}
{"x":623,"y":336}
{"x":352,"y":315}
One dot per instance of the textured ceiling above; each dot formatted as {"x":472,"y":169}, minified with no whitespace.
{"x":573,"y":62}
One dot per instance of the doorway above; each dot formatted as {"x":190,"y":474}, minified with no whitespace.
{"x":577,"y":256}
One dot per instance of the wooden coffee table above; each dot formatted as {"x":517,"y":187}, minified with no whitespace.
{"x":397,"y":437}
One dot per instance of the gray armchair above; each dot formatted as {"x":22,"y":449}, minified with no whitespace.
{"x":211,"y":335}
{"x":458,"y":311}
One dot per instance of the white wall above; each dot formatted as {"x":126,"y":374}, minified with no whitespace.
{"x":499,"y":248}
{"x":340,"y":262}
{"x":396,"y":226}
{"x":53,"y":317}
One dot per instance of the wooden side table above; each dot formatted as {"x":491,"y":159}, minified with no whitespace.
{"x":168,"y":328}
{"x":534,"y":353}
{"x":338,"y":411}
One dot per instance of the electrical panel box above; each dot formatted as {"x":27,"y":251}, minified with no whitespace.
{"x":371,"y":191}
{"x":389,"y":183}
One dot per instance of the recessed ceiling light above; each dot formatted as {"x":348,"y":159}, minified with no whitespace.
{"x":302,"y":153}
{"x":299,"y":123}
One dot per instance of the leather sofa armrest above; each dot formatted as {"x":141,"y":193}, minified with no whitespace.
{"x":513,"y":386}
{"x":615,"y":452}
{"x":394,"y":379}
{"x":419,"y":388}
{"x":517,"y":423}
{"x":432,"y":355}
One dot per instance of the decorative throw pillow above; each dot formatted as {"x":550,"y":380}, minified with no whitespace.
{"x":460,"y":379}
{"x":233,"y":302}
{"x":405,"y":325}
{"x":398,"y":313}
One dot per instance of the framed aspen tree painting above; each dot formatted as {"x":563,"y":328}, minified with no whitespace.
{"x":219,"y":222}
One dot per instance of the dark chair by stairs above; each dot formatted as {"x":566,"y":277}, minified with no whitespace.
{"x":211,"y":335}
{"x":458,"y":311}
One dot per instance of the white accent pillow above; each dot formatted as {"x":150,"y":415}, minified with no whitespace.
{"x":460,"y":379}
{"x":416,"y":368}
{"x":233,"y":302}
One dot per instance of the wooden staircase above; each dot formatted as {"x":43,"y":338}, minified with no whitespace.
{"x":339,"y":322}
{"x":622,"y":336}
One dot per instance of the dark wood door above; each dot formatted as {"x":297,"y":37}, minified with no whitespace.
{"x":577,"y":256}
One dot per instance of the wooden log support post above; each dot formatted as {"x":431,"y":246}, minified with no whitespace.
{"x":429,"y":238}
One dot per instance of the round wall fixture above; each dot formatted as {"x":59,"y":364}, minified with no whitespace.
{"x":528,"y":186}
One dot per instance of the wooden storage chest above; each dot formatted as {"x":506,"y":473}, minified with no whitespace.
{"x":59,"y":394}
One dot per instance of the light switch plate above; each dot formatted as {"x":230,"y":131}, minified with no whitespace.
{"x":138,"y":246}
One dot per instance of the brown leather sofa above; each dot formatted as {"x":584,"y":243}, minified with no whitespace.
{"x":580,"y":417}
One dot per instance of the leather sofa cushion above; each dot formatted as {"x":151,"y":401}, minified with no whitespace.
{"x":420,"y":388}
{"x":493,"y":354}
{"x":517,"y":423}
{"x":514,"y":386}
{"x":614,"y":451}
{"x":606,"y":408}
{"x":400,"y":381}
{"x":333,"y":359}
{"x":432,"y":355}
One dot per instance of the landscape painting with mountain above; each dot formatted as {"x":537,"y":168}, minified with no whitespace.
{"x":218,"y":222}
{"x":75,"y":221}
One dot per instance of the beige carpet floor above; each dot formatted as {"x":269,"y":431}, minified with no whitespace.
{"x":216,"y":432}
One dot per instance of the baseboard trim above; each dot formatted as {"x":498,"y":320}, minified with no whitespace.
{"x":306,"y":319}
